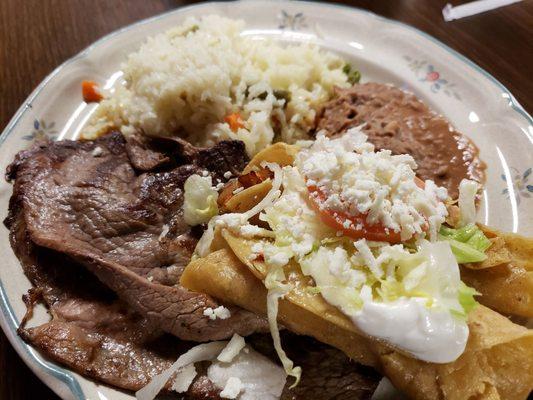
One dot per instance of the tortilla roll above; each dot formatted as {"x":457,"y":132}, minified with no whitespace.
{"x":497,"y":363}
{"x":248,"y":198}
{"x":279,"y":153}
{"x":505,"y":278}
{"x":224,"y":277}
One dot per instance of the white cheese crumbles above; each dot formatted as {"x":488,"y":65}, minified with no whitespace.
{"x":184,"y":378}
{"x":97,"y":151}
{"x":249,"y":376}
{"x":220,"y":312}
{"x":379,"y":286}
{"x":232,"y":388}
{"x":467,"y":201}
{"x":358,"y":181}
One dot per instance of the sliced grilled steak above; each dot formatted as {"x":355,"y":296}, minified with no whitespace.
{"x":149,"y":153}
{"x":398,"y":121}
{"x":91,"y":330}
{"x":85,"y":200}
{"x":142,"y":155}
{"x":225,"y":156}
{"x":327,"y":373}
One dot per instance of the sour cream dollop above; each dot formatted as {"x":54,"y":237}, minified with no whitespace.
{"x":415,"y":307}
{"x":429,"y":335}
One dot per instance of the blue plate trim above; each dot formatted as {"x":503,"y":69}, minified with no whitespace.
{"x":50,"y":368}
{"x":66,"y":376}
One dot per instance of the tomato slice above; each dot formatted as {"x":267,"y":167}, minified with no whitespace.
{"x":359,"y":227}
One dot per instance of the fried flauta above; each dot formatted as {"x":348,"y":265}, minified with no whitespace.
{"x":243,"y":193}
{"x":505,"y":278}
{"x":497,"y":363}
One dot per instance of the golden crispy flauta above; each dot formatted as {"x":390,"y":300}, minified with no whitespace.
{"x":497,"y":363}
{"x":505,"y":278}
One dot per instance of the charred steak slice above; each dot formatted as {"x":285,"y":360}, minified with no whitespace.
{"x":142,"y":155}
{"x":398,"y":121}
{"x":91,"y":330}
{"x":327,"y":372}
{"x":150,"y":153}
{"x":97,"y":335}
{"x":84,"y":199}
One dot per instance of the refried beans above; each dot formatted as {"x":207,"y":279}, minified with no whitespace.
{"x":398,"y":121}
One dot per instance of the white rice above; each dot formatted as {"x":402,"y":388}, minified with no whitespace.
{"x":186,"y":80}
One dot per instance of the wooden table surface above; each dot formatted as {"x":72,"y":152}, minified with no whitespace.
{"x":38,"y":35}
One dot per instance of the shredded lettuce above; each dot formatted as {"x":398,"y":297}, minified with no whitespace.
{"x":467,"y":201}
{"x":200,"y":200}
{"x":461,"y":234}
{"x":466,"y":299}
{"x":465,"y":253}
{"x":237,"y":220}
{"x":272,"y":195}
{"x":202,"y":352}
{"x":349,"y":278}
{"x":479,"y":241}
{"x":468,"y":243}
{"x":276,"y":290}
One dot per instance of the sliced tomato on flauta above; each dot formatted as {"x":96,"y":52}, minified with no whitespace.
{"x":355,"y":227}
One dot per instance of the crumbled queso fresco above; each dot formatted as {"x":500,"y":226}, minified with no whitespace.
{"x":220,"y":312}
{"x":357,"y":180}
{"x":97,"y":151}
{"x":232,"y":389}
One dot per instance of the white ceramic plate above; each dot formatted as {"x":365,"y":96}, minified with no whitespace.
{"x":384,"y":51}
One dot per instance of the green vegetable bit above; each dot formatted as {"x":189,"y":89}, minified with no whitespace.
{"x":354,"y":76}
{"x":466,"y":299}
{"x":464,"y":253}
{"x":192,"y":29}
{"x":468,"y":243}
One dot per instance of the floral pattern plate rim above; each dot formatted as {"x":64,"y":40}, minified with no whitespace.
{"x":384,"y":50}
